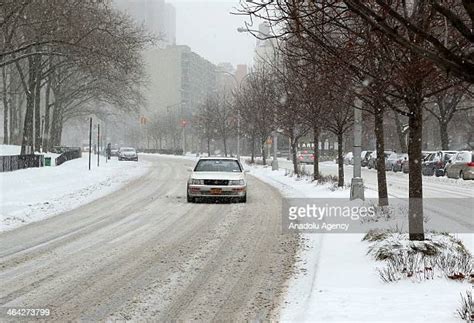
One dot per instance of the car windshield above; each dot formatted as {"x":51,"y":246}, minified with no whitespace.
{"x":127,"y":150}
{"x":305,"y":152}
{"x":448,"y":156}
{"x":218,"y":165}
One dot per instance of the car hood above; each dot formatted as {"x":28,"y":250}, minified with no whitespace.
{"x":217,"y":175}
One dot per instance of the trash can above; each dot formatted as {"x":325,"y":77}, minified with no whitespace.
{"x":47,"y":161}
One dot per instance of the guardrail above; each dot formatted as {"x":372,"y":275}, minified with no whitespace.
{"x":16,"y":162}
{"x":68,"y":153}
{"x":162,"y":151}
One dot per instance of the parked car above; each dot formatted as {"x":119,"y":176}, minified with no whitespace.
{"x":461,"y":165}
{"x":398,"y":165}
{"x":365,"y":155}
{"x":434,"y":163}
{"x":127,"y":153}
{"x":114,"y":152}
{"x":217,"y":177}
{"x":372,"y":163}
{"x":405,"y":165}
{"x":349,"y":158}
{"x":305,"y":156}
{"x":390,"y":161}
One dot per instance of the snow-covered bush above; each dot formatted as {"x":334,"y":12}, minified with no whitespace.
{"x":465,"y":311}
{"x":441,"y":254}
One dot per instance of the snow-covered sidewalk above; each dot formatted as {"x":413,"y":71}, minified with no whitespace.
{"x":33,"y":194}
{"x":335,"y":280}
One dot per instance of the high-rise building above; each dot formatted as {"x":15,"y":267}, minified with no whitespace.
{"x":265,"y":50}
{"x":241,"y":72}
{"x":179,"y":80}
{"x":157,"y":16}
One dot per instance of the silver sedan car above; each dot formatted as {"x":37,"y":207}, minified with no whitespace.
{"x":217,"y":177}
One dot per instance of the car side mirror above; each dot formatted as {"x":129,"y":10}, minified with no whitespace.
{"x":246,"y":170}
{"x":189,"y":169}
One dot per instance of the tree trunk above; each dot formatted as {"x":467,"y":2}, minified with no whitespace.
{"x":380,"y":148}
{"x":443,"y":133}
{"x":340,"y":160}
{"x":316,"y":152}
{"x":37,"y":98}
{"x":56,"y":126}
{"x":47,"y":112}
{"x":27,"y":140}
{"x":401,"y":134}
{"x":6,"y":108}
{"x":294,"y":158}
{"x":252,"y":147}
{"x":208,"y":146}
{"x":262,"y":146}
{"x":224,"y":141}
{"x":415,"y":190}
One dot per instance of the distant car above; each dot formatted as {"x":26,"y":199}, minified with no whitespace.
{"x":461,"y":165}
{"x":127,"y":153}
{"x":217,"y":177}
{"x":390,"y":161}
{"x":349,"y":158}
{"x":434,"y":163}
{"x":365,"y":156}
{"x":398,"y":165}
{"x":305,"y":156}
{"x":372,"y":162}
{"x":114,"y":152}
{"x":405,"y":165}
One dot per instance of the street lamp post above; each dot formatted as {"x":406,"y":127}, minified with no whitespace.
{"x":357,"y":183}
{"x":274,"y":133}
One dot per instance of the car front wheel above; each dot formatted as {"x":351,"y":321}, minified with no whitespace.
{"x":243,"y":199}
{"x":190,"y":199}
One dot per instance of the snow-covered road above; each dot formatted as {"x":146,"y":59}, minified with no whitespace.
{"x":143,"y":252}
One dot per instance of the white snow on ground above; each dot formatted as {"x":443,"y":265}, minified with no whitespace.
{"x":9,"y":150}
{"x":336,"y":281}
{"x":33,"y":194}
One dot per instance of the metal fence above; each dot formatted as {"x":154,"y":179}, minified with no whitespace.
{"x":11,"y":163}
{"x":162,"y":151}
{"x":68,"y":153}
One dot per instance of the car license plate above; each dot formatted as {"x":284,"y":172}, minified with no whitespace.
{"x":216,"y":191}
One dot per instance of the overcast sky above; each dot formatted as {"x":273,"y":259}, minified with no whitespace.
{"x":211,"y":31}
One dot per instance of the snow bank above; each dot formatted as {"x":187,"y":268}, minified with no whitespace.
{"x":9,"y":150}
{"x":335,"y":280}
{"x":34,"y":194}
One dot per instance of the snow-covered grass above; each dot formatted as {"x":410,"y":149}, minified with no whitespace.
{"x":9,"y":150}
{"x":336,"y":280}
{"x":33,"y":194}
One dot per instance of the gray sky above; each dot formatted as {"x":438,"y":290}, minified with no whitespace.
{"x":211,"y":31}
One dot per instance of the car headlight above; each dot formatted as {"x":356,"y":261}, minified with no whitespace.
{"x":237,"y":182}
{"x":195,"y":181}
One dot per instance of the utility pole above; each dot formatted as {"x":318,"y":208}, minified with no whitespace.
{"x":357,"y":183}
{"x":90,"y":143}
{"x":184,"y":137}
